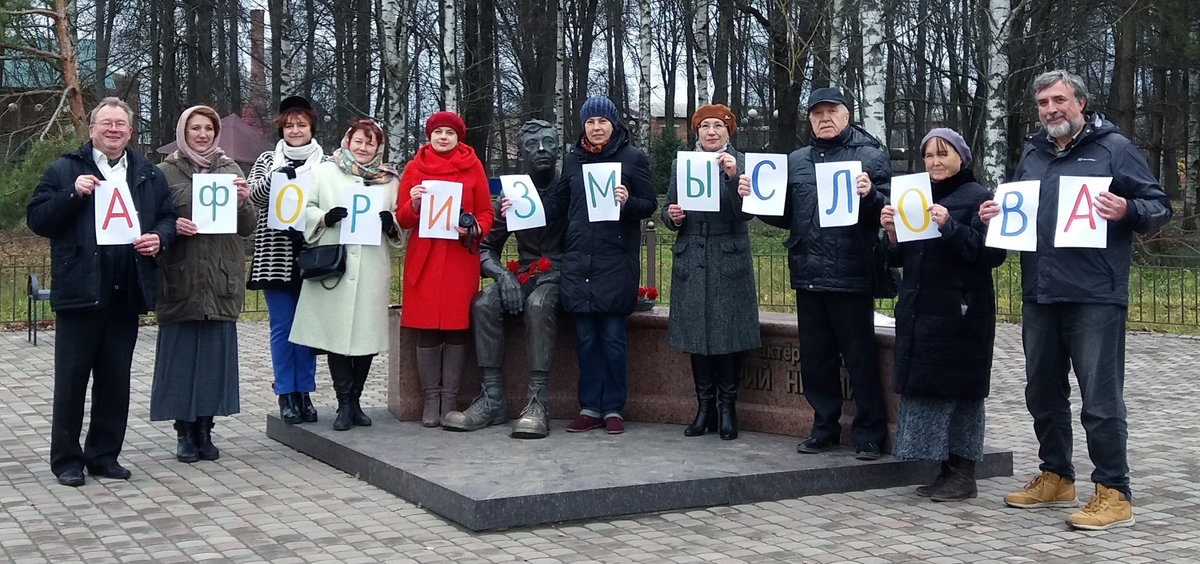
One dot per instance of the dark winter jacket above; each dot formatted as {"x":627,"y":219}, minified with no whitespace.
{"x":601,"y":267}
{"x":714,"y":303}
{"x":201,"y":276}
{"x":833,"y":259}
{"x":946,"y":311}
{"x":81,"y":271}
{"x":1083,"y":275}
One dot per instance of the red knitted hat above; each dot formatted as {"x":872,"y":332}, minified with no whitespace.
{"x":445,"y":119}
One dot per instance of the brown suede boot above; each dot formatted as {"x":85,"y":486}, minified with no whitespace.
{"x":454,"y":358}
{"x":429,"y":371}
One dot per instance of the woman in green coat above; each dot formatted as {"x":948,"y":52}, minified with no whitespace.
{"x":200,"y":294}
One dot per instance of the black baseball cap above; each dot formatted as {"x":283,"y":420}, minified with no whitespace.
{"x":294,"y":102}
{"x":823,"y":95}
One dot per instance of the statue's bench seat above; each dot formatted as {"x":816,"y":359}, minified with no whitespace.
{"x":660,"y":377}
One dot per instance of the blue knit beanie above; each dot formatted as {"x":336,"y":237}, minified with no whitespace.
{"x":598,"y":106}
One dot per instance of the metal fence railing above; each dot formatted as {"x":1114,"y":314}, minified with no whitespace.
{"x":1160,"y":297}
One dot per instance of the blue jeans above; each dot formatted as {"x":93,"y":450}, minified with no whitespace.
{"x":600,"y":348}
{"x":294,"y":365}
{"x":1091,"y":339}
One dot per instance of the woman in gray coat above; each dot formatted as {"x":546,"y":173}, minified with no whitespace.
{"x":714,"y":302}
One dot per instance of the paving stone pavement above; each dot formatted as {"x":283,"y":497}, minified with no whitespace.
{"x":263,"y":502}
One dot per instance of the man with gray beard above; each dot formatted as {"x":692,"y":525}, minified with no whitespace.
{"x":1075,"y":300}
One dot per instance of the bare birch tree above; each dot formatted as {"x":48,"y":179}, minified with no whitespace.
{"x":394,"y":22}
{"x":700,"y":25}
{"x":995,"y":124}
{"x":644,"y":83}
{"x":871,"y":107}
{"x":449,"y":57}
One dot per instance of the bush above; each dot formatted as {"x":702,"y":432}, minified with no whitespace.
{"x":662,"y":153}
{"x":17,"y":181}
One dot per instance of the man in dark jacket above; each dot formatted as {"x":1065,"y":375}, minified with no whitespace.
{"x":1075,"y":301}
{"x":98,"y":290}
{"x":831,"y":273}
{"x":535,"y":301}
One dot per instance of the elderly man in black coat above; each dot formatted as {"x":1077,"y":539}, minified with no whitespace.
{"x":98,"y":290}
{"x":831,"y":273}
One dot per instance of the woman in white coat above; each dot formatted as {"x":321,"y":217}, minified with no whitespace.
{"x":346,"y":317}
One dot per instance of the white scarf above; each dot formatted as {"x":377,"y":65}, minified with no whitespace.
{"x":311,"y":153}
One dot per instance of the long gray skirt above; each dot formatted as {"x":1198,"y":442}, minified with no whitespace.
{"x":929,"y":428}
{"x":195,"y":371}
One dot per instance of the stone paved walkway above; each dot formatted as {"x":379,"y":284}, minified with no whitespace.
{"x":263,"y":502}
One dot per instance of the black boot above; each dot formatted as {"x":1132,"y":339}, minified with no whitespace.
{"x":203,"y":427}
{"x":308,"y":413}
{"x":728,"y":378}
{"x":961,"y":483}
{"x":288,"y":410}
{"x":362,"y":366}
{"x":186,"y":450}
{"x":706,"y":400}
{"x":342,"y":373}
{"x":943,"y":475}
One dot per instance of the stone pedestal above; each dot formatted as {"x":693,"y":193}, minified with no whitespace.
{"x":770,"y":400}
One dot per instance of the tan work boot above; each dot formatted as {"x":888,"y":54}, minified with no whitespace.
{"x":1107,"y":508}
{"x":1044,"y":490}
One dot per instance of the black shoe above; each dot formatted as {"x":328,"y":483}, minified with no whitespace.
{"x":289,"y":411}
{"x":112,"y":471}
{"x":866,"y":451}
{"x":813,"y":445}
{"x":203,"y":428}
{"x":308,"y":413}
{"x":72,"y":477}
{"x":185,"y":450}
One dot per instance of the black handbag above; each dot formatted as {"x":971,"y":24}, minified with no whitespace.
{"x":321,"y":262}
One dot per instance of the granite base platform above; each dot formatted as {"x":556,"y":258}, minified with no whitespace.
{"x":486,"y":480}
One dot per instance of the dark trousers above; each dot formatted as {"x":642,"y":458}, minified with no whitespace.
{"x":1091,"y":339}
{"x":602,"y":356}
{"x":540,"y":318}
{"x":833,"y":325}
{"x":98,"y":344}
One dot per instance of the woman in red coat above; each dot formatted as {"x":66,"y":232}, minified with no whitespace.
{"x":442,"y":275}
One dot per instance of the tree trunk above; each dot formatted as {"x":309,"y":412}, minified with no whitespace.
{"x":700,"y":27}
{"x":66,"y":48}
{"x":1121,"y":103}
{"x":836,"y":38}
{"x":644,"y":82}
{"x":393,"y":19}
{"x":560,"y":75}
{"x":234,"y":67}
{"x":310,"y":42}
{"x":874,"y":61}
{"x":721,"y":66}
{"x":995,"y":142}
{"x":450,"y":73}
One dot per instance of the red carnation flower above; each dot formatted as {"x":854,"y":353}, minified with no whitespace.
{"x":652,"y":293}
{"x":513,"y":266}
{"x":641,"y":291}
{"x":543,"y":264}
{"x":523,"y":278}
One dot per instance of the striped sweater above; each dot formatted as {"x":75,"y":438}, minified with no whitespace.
{"x":274,"y":264}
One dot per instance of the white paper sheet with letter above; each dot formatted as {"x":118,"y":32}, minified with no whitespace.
{"x":1079,"y":224}
{"x":526,"y":211}
{"x":768,"y":184}
{"x":285,"y":208}
{"x":214,"y":203}
{"x":600,"y":181}
{"x":698,"y":181}
{"x":116,"y":218}
{"x":837,"y":196}
{"x":1016,"y":226}
{"x":440,"y":207}
{"x":363,"y":226}
{"x":912,"y":196}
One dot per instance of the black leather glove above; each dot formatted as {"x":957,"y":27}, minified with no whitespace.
{"x":294,"y":235}
{"x":389,"y":223}
{"x":333,"y":216}
{"x":512,"y":299}
{"x":288,"y":170}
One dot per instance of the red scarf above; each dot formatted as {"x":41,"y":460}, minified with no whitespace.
{"x":433,"y":164}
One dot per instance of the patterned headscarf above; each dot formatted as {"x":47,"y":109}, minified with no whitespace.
{"x":374,"y":171}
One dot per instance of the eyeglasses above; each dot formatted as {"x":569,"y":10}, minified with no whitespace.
{"x":110,"y":124}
